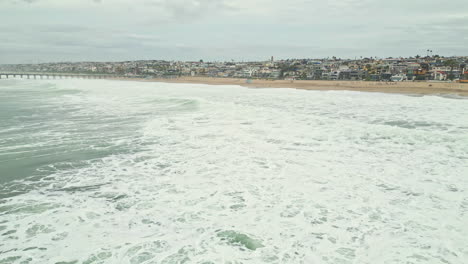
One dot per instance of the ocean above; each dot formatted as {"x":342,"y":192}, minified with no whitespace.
{"x":100,"y":171}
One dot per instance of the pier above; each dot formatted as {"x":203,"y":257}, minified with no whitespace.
{"x":22,"y":75}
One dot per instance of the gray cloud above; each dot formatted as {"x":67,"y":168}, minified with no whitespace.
{"x":228,"y":29}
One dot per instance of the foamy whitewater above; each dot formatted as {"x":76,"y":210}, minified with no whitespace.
{"x":96,"y":171}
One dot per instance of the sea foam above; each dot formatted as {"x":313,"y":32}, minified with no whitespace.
{"x":134,"y":172}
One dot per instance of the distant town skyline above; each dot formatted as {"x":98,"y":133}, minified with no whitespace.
{"x":39,"y":31}
{"x":271,"y":58}
{"x":427,"y":68}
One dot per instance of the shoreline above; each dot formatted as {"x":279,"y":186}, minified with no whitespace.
{"x":422,"y":88}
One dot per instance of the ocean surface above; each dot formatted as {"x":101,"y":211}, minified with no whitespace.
{"x":98,"y":171}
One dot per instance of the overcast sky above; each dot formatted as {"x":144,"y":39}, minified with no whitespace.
{"x":34,"y":31}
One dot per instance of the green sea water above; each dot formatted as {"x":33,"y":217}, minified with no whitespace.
{"x":41,"y":134}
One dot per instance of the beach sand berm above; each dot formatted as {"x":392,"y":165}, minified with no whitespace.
{"x":364,"y":86}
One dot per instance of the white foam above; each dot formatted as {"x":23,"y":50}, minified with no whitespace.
{"x":317,"y":177}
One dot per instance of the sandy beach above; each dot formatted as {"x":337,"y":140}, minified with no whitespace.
{"x":382,"y":87}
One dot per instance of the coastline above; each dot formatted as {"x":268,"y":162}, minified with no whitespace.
{"x":422,"y":88}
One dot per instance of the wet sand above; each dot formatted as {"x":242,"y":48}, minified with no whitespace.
{"x":382,"y":87}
